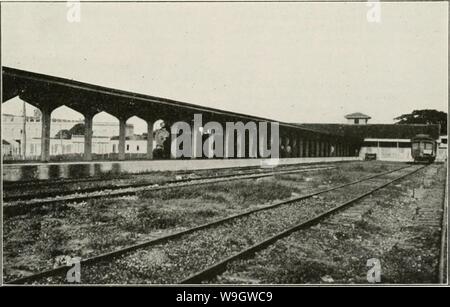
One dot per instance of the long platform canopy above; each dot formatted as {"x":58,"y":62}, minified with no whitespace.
{"x":44,"y":91}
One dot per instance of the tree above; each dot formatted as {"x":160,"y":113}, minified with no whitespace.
{"x":426,"y":116}
{"x":63,"y":134}
{"x":78,"y":129}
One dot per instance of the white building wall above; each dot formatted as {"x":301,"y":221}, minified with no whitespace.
{"x":12,"y":126}
{"x":398,"y":152}
{"x":75,"y":146}
{"x":388,"y":153}
{"x":131,"y":146}
{"x":442,"y":148}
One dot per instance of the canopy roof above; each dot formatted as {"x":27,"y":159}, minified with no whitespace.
{"x":44,"y":91}
{"x":357,"y":115}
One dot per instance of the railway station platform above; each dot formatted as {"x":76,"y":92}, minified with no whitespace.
{"x":56,"y":170}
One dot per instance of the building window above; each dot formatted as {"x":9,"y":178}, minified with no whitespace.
{"x":388,"y":144}
{"x":404,"y":144}
{"x":128,"y":147}
{"x":370,"y":144}
{"x":356,"y":120}
{"x":137,"y":148}
{"x":428,"y":146}
{"x":444,"y":141}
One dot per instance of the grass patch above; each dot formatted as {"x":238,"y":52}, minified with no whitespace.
{"x":146,"y":219}
{"x":243,"y":192}
{"x":367,"y":226}
{"x":358,"y":168}
{"x":408,"y":266}
{"x":52,"y":241}
{"x":99,"y":239}
{"x":338,"y":176}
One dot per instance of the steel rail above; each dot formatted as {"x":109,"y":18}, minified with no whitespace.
{"x":443,"y":252}
{"x":8,"y":185}
{"x":137,"y":185}
{"x":114,"y":254}
{"x":215,"y":269}
{"x":20,"y":208}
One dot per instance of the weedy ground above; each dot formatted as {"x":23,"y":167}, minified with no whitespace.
{"x":399,"y":225}
{"x":34,"y":241}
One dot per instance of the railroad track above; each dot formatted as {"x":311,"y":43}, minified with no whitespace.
{"x":402,"y":232}
{"x":130,"y":190}
{"x":39,"y":183}
{"x":216,"y":268}
{"x":113,"y":187}
{"x":442,"y":271}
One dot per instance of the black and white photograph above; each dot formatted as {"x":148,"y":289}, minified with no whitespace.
{"x":224,"y":143}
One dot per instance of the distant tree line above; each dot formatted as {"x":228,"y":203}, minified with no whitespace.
{"x":426,"y":116}
{"x":65,"y":134}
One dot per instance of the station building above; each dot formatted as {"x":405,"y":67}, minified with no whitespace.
{"x":103,"y":147}
{"x":442,"y":148}
{"x":388,"y":142}
{"x":354,"y":140}
{"x":13,"y":136}
{"x":12,"y":126}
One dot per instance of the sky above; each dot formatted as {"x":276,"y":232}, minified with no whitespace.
{"x":293,"y":62}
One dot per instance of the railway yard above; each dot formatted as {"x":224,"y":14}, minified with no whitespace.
{"x":292,"y":224}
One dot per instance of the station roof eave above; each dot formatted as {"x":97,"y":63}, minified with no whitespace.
{"x":378,"y":131}
{"x":49,"y":91}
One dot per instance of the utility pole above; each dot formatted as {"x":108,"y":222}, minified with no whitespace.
{"x":24,"y":130}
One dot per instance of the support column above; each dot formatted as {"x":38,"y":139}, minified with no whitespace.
{"x":45,"y":135}
{"x":122,"y":138}
{"x":300,"y":147}
{"x":287,"y":144}
{"x":88,"y":137}
{"x":168,"y":143}
{"x":197,"y":140}
{"x":150,"y":124}
{"x":317,"y":148}
{"x":307,"y":153}
{"x":294,"y":147}
{"x":24,"y":131}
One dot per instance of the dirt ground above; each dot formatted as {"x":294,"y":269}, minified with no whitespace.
{"x":399,"y":228}
{"x":44,"y":237}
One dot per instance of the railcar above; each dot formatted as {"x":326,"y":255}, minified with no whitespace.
{"x":423,"y":148}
